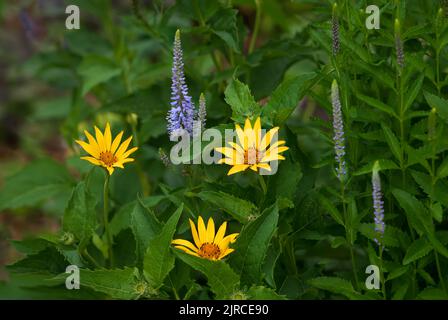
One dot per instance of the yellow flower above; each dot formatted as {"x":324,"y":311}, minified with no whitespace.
{"x":105,"y":152}
{"x":252,"y":150}
{"x":207,"y":245}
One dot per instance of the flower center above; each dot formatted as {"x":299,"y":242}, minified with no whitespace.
{"x":108,"y":158}
{"x":209,"y":251}
{"x":252,"y":156}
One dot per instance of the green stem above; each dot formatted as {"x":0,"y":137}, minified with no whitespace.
{"x":256,"y":26}
{"x":439,"y":271}
{"x":87,"y":255}
{"x":262,"y":184}
{"x":383,"y":281}
{"x":106,"y":218}
{"x":347,"y":235}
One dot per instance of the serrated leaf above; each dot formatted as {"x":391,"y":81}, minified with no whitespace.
{"x":335,"y":285}
{"x":145,"y":227}
{"x":377,"y":104}
{"x":417,"y":214}
{"x":263,"y":293}
{"x":332,"y":210}
{"x":39,"y":181}
{"x":440,"y":104}
{"x":239,"y":98}
{"x":384,"y":164}
{"x":393,"y":142}
{"x":286,"y":98}
{"x":414,"y":91}
{"x":418,"y":249}
{"x":159,"y":259}
{"x":390,"y":238}
{"x":252,"y":244}
{"x":238,"y":208}
{"x":223,"y":281}
{"x":80,"y":215}
{"x":116,"y":283}
{"x":95,"y":69}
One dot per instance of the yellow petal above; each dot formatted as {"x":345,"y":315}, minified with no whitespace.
{"x":116,"y":142}
{"x":123,"y":147}
{"x":276,"y":144}
{"x":92,"y":160}
{"x":264,"y":166}
{"x":268,"y":138}
{"x":243,"y":140}
{"x":187,"y":250}
{"x":118,"y":164}
{"x":231,"y":238}
{"x":228,"y":152}
{"x":237,"y":147}
{"x":185,"y":243}
{"x":254,"y":167}
{"x":107,"y":137}
{"x":221,"y":232}
{"x":237,"y":168}
{"x":201,"y":230}
{"x":210,"y":231}
{"x":110,"y":170}
{"x":100,"y":139}
{"x":257,"y":132}
{"x":230,"y":162}
{"x":128,"y":153}
{"x":194,"y":233}
{"x":92,"y":140}
{"x":280,"y":149}
{"x":127,"y":160}
{"x":227,"y":252}
{"x":247,"y":125}
{"x":272,"y":157}
{"x":89,"y":148}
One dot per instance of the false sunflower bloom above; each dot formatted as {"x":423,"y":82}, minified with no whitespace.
{"x":107,"y":153}
{"x":253,"y":150}
{"x":207,"y":244}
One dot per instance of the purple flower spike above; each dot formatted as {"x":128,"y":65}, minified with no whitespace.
{"x":181,"y":115}
{"x":338,"y":127}
{"x":378,"y":205}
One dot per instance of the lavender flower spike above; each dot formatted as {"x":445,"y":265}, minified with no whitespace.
{"x":181,"y":115}
{"x":338,"y":127}
{"x":378,"y":204}
{"x":202,"y":113}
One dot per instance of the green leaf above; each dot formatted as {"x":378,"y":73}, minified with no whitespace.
{"x":223,"y":24}
{"x":377,"y":104}
{"x":43,"y":263}
{"x":390,"y":238}
{"x":392,"y":141}
{"x":39,"y":181}
{"x":417,"y":214}
{"x":440,"y":104}
{"x":145,"y":227}
{"x":238,"y":96}
{"x":335,"y":285}
{"x":384,"y":164}
{"x":418,"y":249}
{"x":223,"y":281}
{"x":116,"y":283}
{"x":96,"y":69}
{"x":285,"y":98}
{"x":263,"y":293}
{"x":252,"y":244}
{"x":238,"y":208}
{"x":442,"y":170}
{"x":159,"y":260}
{"x":414,"y":91}
{"x":433,"y":294}
{"x":287,"y":179}
{"x":80,"y":215}
{"x":332,"y":210}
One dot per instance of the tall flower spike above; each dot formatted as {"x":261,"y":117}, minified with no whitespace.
{"x":378,"y":204}
{"x":335,"y":30}
{"x":338,"y":127}
{"x":399,"y":45}
{"x":181,"y":114}
{"x":202,"y":113}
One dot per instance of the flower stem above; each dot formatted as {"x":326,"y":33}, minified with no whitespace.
{"x":383,"y":282}
{"x":256,"y":26}
{"x":106,"y":218}
{"x":262,"y":184}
